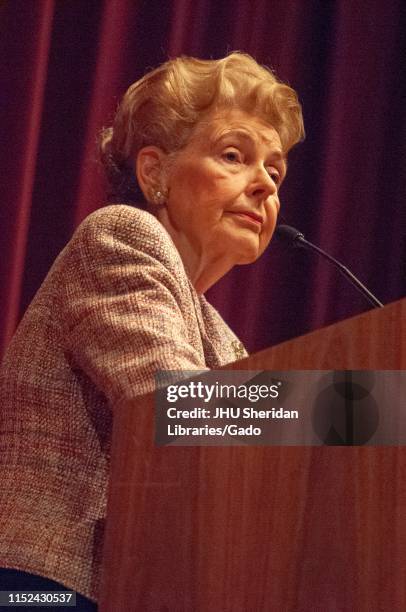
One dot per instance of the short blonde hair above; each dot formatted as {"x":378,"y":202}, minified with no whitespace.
{"x":163,"y":108}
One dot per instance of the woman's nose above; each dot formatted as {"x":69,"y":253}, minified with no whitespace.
{"x":262,"y":184}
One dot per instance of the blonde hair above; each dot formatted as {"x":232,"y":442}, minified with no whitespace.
{"x":163,"y":108}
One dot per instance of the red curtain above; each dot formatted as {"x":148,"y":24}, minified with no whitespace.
{"x":64,"y":66}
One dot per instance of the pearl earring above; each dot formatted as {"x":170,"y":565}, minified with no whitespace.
{"x":159,"y":197}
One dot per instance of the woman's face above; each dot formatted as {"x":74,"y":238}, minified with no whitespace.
{"x":223,"y":189}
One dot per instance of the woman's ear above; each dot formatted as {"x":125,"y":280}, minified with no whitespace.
{"x":149,"y":169}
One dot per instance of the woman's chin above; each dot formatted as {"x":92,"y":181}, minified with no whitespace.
{"x":248,"y":256}
{"x":247,"y":260}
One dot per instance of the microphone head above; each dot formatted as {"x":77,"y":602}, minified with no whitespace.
{"x":289,"y":234}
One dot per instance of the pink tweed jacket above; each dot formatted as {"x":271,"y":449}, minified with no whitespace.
{"x":116,"y":306}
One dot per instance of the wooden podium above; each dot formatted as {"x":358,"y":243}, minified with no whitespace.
{"x":262,"y":528}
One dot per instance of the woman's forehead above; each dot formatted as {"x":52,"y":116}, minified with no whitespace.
{"x":236,"y":122}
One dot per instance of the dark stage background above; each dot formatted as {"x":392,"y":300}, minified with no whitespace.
{"x":65,"y":64}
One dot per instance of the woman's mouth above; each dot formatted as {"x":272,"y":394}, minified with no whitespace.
{"x":249,"y":217}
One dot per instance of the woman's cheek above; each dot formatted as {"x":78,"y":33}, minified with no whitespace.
{"x":272,"y":214}
{"x":265,"y":239}
{"x":268,"y":229}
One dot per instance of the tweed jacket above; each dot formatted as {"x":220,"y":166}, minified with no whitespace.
{"x":116,"y":306}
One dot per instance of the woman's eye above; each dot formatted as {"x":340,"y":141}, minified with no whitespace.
{"x":275,"y":176}
{"x":232,"y":156}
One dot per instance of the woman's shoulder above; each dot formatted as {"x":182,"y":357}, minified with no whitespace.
{"x":122,"y":218}
{"x":120,"y":228}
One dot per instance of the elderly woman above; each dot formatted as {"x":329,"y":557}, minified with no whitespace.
{"x":200,"y":148}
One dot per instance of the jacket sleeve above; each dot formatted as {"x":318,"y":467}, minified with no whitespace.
{"x":126,"y":304}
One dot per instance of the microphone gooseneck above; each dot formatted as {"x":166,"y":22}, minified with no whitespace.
{"x":294,"y":238}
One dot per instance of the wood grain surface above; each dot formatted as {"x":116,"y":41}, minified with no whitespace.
{"x":262,"y":528}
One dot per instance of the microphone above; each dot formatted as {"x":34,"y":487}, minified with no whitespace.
{"x":295,"y":238}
